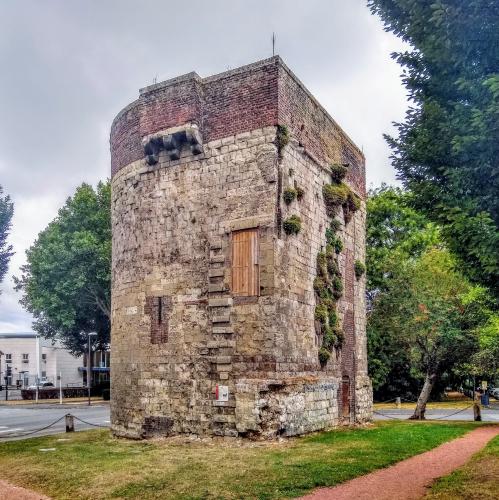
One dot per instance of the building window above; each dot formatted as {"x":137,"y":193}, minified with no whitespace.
{"x":245,"y":273}
{"x":158,"y":309}
{"x":44,"y":358}
{"x":25,"y":358}
{"x":44,"y":374}
{"x":8,"y":358}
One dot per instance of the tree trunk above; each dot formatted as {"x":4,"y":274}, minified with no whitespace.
{"x":419,"y":412}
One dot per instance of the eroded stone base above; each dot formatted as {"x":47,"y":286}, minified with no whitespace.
{"x":273,"y":408}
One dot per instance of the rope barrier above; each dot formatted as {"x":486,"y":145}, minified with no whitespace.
{"x":451,"y":414}
{"x":436,"y":418}
{"x":90,"y":423}
{"x":32,"y":431}
{"x":388,"y":416}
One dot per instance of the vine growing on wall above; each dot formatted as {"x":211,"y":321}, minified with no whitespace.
{"x":328,"y":284}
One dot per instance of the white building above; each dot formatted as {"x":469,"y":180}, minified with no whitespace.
{"x":18,"y":361}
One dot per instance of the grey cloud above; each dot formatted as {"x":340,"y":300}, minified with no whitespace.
{"x":69,"y":66}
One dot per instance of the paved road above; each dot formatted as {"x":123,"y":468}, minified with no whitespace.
{"x":17,"y":420}
{"x":488,"y":415}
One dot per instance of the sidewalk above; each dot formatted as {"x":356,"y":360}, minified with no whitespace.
{"x":10,"y":492}
{"x":409,"y":479}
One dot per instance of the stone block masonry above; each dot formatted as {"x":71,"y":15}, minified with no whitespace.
{"x":213,"y":305}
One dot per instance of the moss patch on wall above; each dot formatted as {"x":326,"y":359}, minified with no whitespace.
{"x":328,"y":284}
{"x":360,"y":268}
{"x":292,"y":225}
{"x":289,"y":195}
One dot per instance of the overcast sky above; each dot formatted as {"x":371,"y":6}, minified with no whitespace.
{"x":67,"y":68}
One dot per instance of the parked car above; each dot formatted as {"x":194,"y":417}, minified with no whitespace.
{"x":41,"y":385}
{"x":494,"y":392}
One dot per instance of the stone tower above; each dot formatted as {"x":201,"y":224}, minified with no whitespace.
{"x":237,"y":287}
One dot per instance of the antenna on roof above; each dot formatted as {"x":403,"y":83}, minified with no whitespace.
{"x":273,"y":44}
{"x":155,"y":79}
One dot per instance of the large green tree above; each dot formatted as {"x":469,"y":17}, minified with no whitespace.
{"x":396,"y":233}
{"x":434,"y":314}
{"x":66,"y":281}
{"x":447,"y":149}
{"x":6,"y":213}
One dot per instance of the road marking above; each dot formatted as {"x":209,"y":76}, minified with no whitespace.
{"x":3,"y":427}
{"x":12,"y":430}
{"x":107,"y":421}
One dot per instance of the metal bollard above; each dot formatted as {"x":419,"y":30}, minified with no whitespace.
{"x":70,"y":424}
{"x":398,"y":403}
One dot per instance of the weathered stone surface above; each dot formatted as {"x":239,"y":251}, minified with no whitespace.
{"x":225,"y":302}
{"x":172,"y":224}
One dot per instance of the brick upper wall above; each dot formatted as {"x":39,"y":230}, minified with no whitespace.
{"x":262,"y":94}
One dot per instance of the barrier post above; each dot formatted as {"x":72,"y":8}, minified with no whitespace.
{"x":70,"y":424}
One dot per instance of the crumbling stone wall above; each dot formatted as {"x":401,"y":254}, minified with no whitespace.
{"x":177,"y":329}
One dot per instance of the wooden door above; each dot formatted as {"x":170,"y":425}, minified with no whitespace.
{"x":345,"y":397}
{"x":245,"y":279}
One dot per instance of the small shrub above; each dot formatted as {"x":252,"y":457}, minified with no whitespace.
{"x":330,"y":304}
{"x":338,"y":172}
{"x":299,"y":193}
{"x":289,"y":195}
{"x":337,"y":284}
{"x":329,"y":339}
{"x":332,"y":318}
{"x":354,"y":201}
{"x":321,"y":288}
{"x":339,"y":337}
{"x":338,"y":245}
{"x":321,"y":314}
{"x":332,"y":265}
{"x":322,"y":262}
{"x":335,"y":225}
{"x":282,"y":138}
{"x":292,"y":225}
{"x":360,"y":268}
{"x":324,"y":356}
{"x":335,"y":195}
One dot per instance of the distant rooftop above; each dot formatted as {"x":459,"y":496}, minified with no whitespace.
{"x":29,"y":335}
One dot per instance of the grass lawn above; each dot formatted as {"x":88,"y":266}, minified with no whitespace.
{"x":478,"y":479}
{"x":92,"y":464}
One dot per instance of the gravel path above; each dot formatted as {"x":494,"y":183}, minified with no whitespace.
{"x":409,"y":479}
{"x":10,"y":492}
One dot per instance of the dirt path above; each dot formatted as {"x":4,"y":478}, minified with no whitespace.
{"x":10,"y":492}
{"x":410,"y":478}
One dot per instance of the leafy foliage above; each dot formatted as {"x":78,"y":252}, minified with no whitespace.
{"x":66,"y":281}
{"x":335,"y":195}
{"x":400,"y":241}
{"x":395,"y":232}
{"x":360,"y":269}
{"x":282,"y":138}
{"x":6,"y":213}
{"x":289,"y":195}
{"x":292,"y":225}
{"x":338,"y":172}
{"x":447,"y":150}
{"x":423,"y":321}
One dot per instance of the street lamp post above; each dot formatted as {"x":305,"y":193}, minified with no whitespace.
{"x":90,"y":335}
